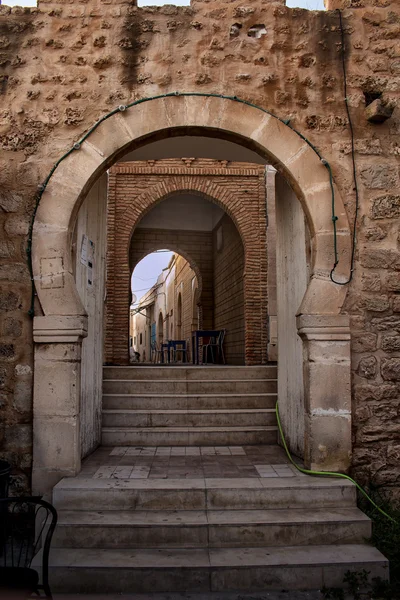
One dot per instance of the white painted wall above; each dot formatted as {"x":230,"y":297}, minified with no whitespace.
{"x":91,"y":222}
{"x":292,"y":277}
{"x":183,"y":212}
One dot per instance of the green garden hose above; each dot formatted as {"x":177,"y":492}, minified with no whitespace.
{"x":325,"y":473}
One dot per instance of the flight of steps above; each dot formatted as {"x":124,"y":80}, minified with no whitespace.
{"x":202,"y":535}
{"x":196,"y":535}
{"x":183,"y":406}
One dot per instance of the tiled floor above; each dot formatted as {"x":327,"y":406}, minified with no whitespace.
{"x":191,"y":462}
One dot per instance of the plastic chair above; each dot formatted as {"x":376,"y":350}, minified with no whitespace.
{"x":26,"y":527}
{"x":218,"y":345}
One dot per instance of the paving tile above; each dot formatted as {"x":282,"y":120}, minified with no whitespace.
{"x":222,"y":450}
{"x":133,"y":451}
{"x":163,"y":451}
{"x":119,"y":451}
{"x":178,"y":451}
{"x":192,"y":451}
{"x":149,"y":451}
{"x":236,"y":450}
{"x":141,"y":472}
{"x":104,"y":472}
{"x":122,"y":472}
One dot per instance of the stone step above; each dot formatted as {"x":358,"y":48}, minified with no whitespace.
{"x":187,"y":401}
{"x":213,"y":529}
{"x":189,"y":436}
{"x":191,"y":372}
{"x":253,"y":493}
{"x":174,"y":386}
{"x":189,"y":418}
{"x":207,"y":570}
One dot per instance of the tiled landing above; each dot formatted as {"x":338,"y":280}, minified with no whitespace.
{"x":191,"y":462}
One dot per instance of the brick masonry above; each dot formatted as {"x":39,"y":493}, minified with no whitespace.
{"x":134,"y":188}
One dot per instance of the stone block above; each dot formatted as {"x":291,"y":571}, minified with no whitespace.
{"x":364,"y":342}
{"x":390,"y":369}
{"x":380,"y":176}
{"x":19,"y":436}
{"x":56,"y":443}
{"x":391,"y":343}
{"x":396,"y":304}
{"x":10,"y":202}
{"x":393,"y":282}
{"x":370,"y":392}
{"x":368,"y":367}
{"x":371,"y":258}
{"x":329,"y":445}
{"x":329,"y":351}
{"x":375,"y":234}
{"x":12,"y":327}
{"x":56,"y":388}
{"x":376,"y":303}
{"x":378,"y":111}
{"x":17,"y":225}
{"x":386,"y":323}
{"x":386,"y":207}
{"x":371,"y":282}
{"x":15,"y":272}
{"x":329,"y":387}
{"x":7,"y":352}
{"x":9,"y":301}
{"x":7,"y":249}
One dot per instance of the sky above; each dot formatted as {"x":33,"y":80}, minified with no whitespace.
{"x":147,"y":270}
{"x":310,"y":4}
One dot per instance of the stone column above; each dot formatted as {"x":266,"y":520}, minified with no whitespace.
{"x":56,"y":400}
{"x":326,"y":340}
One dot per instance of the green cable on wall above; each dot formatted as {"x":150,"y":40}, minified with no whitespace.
{"x":325,"y":473}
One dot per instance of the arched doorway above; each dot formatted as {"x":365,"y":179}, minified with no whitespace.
{"x":320,"y":322}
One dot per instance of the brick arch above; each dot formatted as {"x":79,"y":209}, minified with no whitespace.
{"x":251,"y":226}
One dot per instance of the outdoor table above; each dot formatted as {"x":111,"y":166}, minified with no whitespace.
{"x":177,"y":346}
{"x":173,"y":345}
{"x":196,"y":335}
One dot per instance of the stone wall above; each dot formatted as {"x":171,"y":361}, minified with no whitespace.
{"x":66,"y":65}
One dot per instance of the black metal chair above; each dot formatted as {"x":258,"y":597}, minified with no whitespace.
{"x":26,"y":527}
{"x":218,"y":345}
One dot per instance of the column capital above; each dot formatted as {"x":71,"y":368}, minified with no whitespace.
{"x":60,"y":329}
{"x":323,"y":327}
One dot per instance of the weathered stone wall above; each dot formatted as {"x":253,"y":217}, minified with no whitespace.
{"x":64,"y":65}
